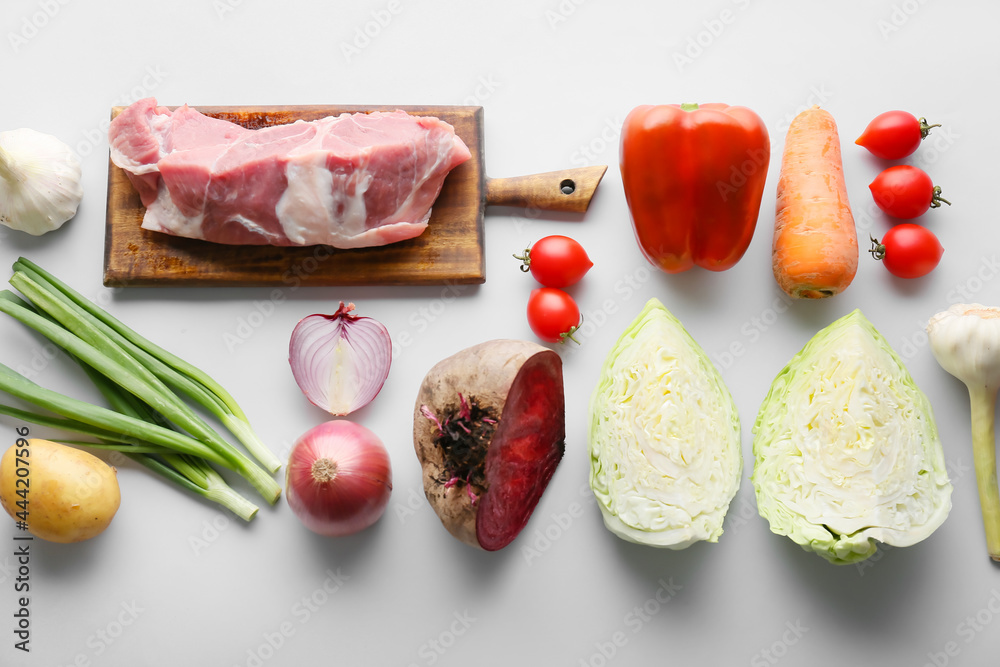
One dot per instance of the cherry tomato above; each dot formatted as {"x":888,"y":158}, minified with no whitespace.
{"x":556,"y":261}
{"x":908,"y":250}
{"x":894,"y":134}
{"x":905,"y":191}
{"x":553,"y":314}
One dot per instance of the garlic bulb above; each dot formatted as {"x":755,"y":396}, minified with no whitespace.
{"x":39,"y":181}
{"x":965,"y":340}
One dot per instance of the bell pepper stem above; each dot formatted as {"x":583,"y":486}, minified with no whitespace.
{"x":983,"y":402}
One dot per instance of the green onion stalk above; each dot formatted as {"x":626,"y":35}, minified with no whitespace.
{"x":194,"y":473}
{"x":191,"y":472}
{"x":148,"y":420}
{"x":175,"y":372}
{"x":136,"y":382}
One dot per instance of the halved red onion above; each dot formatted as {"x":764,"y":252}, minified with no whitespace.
{"x":340,"y":361}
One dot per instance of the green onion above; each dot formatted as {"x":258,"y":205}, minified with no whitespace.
{"x":214,"y":488}
{"x":105,"y":356}
{"x":133,"y":451}
{"x":172,"y":370}
{"x":130,"y":435}
{"x":190,"y":472}
{"x":103,"y":418}
{"x":63,"y":424}
{"x":143,"y":384}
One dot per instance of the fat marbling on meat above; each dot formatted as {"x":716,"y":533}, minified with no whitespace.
{"x":349,"y":181}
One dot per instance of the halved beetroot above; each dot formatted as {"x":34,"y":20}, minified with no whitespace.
{"x":489,"y":428}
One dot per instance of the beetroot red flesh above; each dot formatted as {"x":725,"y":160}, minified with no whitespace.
{"x":528,"y":444}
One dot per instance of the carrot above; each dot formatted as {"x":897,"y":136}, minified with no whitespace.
{"x":815,"y":249}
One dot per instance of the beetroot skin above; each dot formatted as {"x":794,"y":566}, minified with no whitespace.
{"x":489,"y":428}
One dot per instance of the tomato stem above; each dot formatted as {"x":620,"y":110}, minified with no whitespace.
{"x":937,"y":199}
{"x":689,"y":106}
{"x":925,"y":128}
{"x":569,"y":334}
{"x":525,"y":260}
{"x":877,"y":250}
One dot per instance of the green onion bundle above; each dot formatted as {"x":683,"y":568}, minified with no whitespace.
{"x":149,"y":391}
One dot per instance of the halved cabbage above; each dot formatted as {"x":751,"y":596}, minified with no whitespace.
{"x":665,"y":449}
{"x":846,"y":450}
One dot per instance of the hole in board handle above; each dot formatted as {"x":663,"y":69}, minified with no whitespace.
{"x":567,"y":187}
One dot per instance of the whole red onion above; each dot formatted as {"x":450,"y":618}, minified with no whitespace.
{"x":338,"y":479}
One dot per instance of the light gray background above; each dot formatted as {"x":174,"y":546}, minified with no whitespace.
{"x":175,"y":581}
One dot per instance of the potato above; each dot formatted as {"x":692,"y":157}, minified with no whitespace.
{"x":489,"y":429}
{"x":71,"y":495}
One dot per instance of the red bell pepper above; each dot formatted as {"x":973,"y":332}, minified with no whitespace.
{"x":694,"y":177}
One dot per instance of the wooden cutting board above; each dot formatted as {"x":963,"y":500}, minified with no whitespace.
{"x":450,"y":250}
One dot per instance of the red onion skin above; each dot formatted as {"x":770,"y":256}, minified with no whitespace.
{"x":358,"y":492}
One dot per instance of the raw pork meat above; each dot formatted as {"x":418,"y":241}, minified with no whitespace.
{"x":350,"y":181}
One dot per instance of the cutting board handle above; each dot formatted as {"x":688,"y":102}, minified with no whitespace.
{"x":565,"y":190}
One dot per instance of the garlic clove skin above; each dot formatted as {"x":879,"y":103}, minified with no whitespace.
{"x":965,"y":340}
{"x":39,"y":181}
